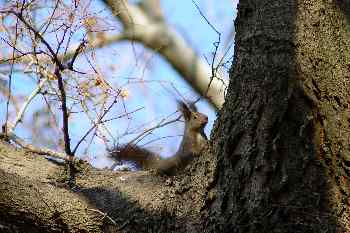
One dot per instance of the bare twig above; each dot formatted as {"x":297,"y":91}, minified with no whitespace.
{"x":98,"y":43}
{"x":216,"y":44}
{"x":95,"y":125}
{"x":122,"y":115}
{"x":100,"y":121}
{"x":205,"y":18}
{"x":60,"y":42}
{"x":59,"y":68}
{"x":22,"y":54}
{"x":25,"y":105}
{"x":54,"y":55}
{"x":5,"y":129}
{"x":38,"y":35}
{"x":105,"y":215}
{"x":160,"y":138}
{"x":159,"y":125}
{"x":76,"y":53}
{"x":51,"y":17}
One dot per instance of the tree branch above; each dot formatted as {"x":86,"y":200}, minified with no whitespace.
{"x":42,"y":151}
{"x":42,"y":39}
{"x":106,"y":201}
{"x":20,"y":114}
{"x":64,"y":113}
{"x":159,"y":37}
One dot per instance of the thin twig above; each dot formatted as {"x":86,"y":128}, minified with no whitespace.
{"x":205,"y":18}
{"x":105,"y":215}
{"x":51,"y":17}
{"x":159,"y":125}
{"x":216,"y":44}
{"x":26,"y":103}
{"x":95,"y":125}
{"x":5,"y":129}
{"x":22,"y":54}
{"x":160,"y":138}
{"x":122,"y":115}
{"x":54,"y":57}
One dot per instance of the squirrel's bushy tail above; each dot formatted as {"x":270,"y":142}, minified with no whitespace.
{"x":141,"y":157}
{"x":193,"y":141}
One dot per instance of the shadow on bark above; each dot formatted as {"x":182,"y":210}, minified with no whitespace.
{"x":20,"y":212}
{"x":25,"y":207}
{"x":129,"y":215}
{"x":344,"y":6}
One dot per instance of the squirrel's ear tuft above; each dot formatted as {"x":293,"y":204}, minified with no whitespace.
{"x":186,"y":112}
{"x":193,"y":107}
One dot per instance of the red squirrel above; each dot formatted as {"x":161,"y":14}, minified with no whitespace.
{"x":193,"y":141}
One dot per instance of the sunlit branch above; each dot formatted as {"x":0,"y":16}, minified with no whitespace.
{"x":20,"y":114}
{"x":157,"y":35}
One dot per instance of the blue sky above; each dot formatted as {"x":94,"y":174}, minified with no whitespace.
{"x":157,"y":98}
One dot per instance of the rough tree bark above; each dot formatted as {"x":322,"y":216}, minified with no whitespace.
{"x":31,"y":199}
{"x":279,"y":156}
{"x":282,"y":138}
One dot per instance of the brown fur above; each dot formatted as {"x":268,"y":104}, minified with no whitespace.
{"x":192,"y":143}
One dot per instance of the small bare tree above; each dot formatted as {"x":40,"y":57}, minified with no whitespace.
{"x":54,"y":44}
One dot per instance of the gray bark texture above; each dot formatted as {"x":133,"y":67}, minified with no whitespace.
{"x":278,"y":160}
{"x":282,"y":138}
{"x":32,"y":198}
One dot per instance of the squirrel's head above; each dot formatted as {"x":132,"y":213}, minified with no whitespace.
{"x":194,"y":120}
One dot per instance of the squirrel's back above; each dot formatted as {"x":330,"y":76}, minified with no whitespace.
{"x":142,"y":158}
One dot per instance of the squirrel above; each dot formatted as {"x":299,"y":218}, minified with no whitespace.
{"x":193,"y":141}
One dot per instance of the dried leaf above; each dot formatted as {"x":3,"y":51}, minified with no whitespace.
{"x":52,"y":76}
{"x":90,"y":22}
{"x":124,"y":93}
{"x":71,"y":17}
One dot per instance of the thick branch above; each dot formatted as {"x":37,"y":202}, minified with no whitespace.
{"x":106,"y":201}
{"x":150,"y":29}
{"x":159,"y":37}
{"x":41,"y":151}
{"x":153,"y":9}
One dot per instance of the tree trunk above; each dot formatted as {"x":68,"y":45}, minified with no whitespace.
{"x":282,"y":138}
